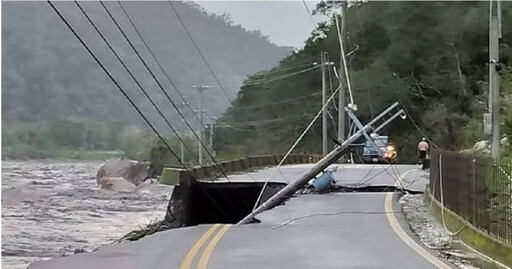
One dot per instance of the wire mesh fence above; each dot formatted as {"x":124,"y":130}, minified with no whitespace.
{"x":476,"y":188}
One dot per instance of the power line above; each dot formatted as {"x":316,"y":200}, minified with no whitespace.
{"x":160,"y":86}
{"x":130,"y":100}
{"x":174,"y":86}
{"x":283,"y":69}
{"x":278,"y":102}
{"x":256,"y":122}
{"x":309,"y":13}
{"x":131,"y":75}
{"x":199,"y":51}
{"x":261,"y":81}
{"x":409,"y":115}
{"x":156,"y":60}
{"x":113,"y":80}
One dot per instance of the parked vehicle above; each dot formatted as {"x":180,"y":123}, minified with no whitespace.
{"x":379,"y":150}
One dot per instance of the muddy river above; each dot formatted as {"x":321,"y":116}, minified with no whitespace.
{"x":54,"y":208}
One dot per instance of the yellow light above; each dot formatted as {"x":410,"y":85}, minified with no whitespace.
{"x":390,"y":148}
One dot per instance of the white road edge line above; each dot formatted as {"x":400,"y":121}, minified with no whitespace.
{"x":393,"y":222}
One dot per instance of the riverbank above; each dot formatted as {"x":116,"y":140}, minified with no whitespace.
{"x":24,"y":152}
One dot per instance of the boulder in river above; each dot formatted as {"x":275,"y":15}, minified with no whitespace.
{"x":116,"y":184}
{"x":133,"y":172}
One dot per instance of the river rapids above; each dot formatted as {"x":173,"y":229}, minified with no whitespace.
{"x":55,"y":208}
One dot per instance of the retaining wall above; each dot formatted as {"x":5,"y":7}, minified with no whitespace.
{"x":470,"y":234}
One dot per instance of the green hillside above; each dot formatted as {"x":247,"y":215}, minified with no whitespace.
{"x":431,"y":56}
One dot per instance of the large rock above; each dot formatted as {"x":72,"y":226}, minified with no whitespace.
{"x":132,"y":171}
{"x":116,"y":184}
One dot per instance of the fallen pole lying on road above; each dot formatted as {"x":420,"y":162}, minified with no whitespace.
{"x":387,"y":116}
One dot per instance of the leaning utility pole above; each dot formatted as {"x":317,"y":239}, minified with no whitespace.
{"x":323,"y":62}
{"x":341,"y":75}
{"x":200,"y":140}
{"x":380,"y":121}
{"x":494,"y":79}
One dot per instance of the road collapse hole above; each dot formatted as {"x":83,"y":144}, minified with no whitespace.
{"x":207,"y":203}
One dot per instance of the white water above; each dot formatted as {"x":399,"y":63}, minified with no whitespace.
{"x":52,"y":208}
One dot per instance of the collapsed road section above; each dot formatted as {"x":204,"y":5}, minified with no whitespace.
{"x":201,"y":202}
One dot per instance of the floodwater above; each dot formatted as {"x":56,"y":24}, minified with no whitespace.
{"x":55,"y":208}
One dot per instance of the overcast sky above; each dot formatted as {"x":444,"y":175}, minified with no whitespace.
{"x":286,"y":23}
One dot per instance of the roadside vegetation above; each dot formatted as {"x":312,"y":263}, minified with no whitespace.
{"x":430,"y":56}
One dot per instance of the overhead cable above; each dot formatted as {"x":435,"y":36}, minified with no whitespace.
{"x":170,"y":80}
{"x":280,"y":70}
{"x":161,"y":87}
{"x":157,"y":61}
{"x":199,"y":52}
{"x":261,"y":81}
{"x":278,"y":102}
{"x":132,"y":76}
{"x":130,"y":101}
{"x":294,"y":145}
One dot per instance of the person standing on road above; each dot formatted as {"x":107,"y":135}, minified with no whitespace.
{"x":423,"y":148}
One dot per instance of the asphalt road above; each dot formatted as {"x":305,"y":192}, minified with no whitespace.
{"x":335,"y":230}
{"x":360,"y":175}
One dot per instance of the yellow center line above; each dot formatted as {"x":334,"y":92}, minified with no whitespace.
{"x":209,"y":248}
{"x":192,"y":252}
{"x":393,"y":222}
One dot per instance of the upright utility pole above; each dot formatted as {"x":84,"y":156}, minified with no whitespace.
{"x":323,"y":62}
{"x":212,"y":120}
{"x":200,"y":140}
{"x":342,"y":94}
{"x":211,"y":138}
{"x":182,"y":152}
{"x":494,"y":79}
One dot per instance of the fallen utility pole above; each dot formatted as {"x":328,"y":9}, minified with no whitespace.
{"x":390,"y":113}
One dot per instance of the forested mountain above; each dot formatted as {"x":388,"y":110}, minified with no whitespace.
{"x":431,"y":56}
{"x":47,"y":74}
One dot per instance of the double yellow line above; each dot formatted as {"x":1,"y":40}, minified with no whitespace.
{"x":203,"y":261}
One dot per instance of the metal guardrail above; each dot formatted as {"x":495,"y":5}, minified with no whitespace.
{"x":475,"y":188}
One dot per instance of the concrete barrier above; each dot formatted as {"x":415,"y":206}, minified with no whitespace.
{"x":270,"y":160}
{"x":174,"y":176}
{"x":198,"y":172}
{"x":209,"y":170}
{"x":227,"y":167}
{"x":275,"y":159}
{"x":245,"y":164}
{"x":237,"y":165}
{"x":253,"y":161}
